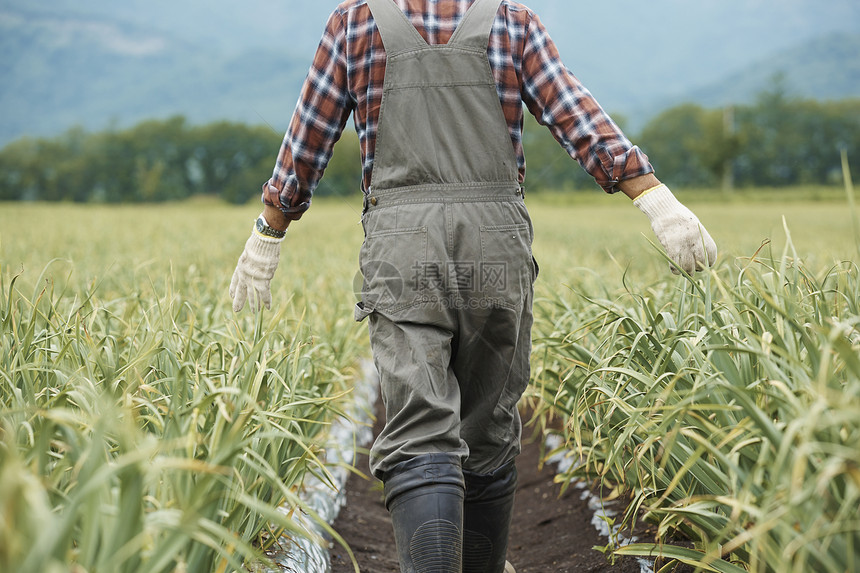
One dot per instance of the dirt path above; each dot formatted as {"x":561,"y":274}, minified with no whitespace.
{"x":550,"y":533}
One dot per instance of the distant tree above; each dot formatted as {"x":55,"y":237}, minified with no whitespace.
{"x":719,"y":145}
{"x":17,"y":174}
{"x":230,"y":160}
{"x":776,"y":141}
{"x":789,"y":141}
{"x":676,"y":142}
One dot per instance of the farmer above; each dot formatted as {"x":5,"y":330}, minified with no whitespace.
{"x":436,"y":89}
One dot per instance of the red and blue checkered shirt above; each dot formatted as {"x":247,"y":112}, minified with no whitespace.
{"x":348,"y":72}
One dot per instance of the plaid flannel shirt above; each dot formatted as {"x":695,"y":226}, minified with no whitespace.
{"x":347,"y":76}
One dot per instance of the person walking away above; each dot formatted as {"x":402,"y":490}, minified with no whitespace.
{"x":447,"y":263}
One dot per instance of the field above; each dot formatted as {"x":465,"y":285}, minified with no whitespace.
{"x":145,"y":427}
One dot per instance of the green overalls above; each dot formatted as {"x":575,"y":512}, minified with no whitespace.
{"x":448,"y":275}
{"x":446,"y":260}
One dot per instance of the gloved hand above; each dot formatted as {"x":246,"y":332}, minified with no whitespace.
{"x":254,"y":272}
{"x":686,"y":241}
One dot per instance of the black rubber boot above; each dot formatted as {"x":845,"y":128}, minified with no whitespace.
{"x":487,"y":515}
{"x":425,"y":499}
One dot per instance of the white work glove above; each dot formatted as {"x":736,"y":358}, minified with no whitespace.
{"x":254,"y":272}
{"x":686,"y":241}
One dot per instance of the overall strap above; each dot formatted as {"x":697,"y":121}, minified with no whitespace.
{"x":477,"y":24}
{"x":398,"y":33}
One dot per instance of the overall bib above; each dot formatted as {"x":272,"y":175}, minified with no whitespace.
{"x":448,"y":287}
{"x":447,"y":263}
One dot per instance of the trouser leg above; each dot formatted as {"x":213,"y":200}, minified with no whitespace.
{"x":420,"y":393}
{"x":425,"y":499}
{"x":487,"y":512}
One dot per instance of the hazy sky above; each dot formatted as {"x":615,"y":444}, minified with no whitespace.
{"x":623,"y":50}
{"x":639,"y":39}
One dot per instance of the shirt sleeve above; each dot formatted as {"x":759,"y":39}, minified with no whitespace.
{"x":317,"y":123}
{"x":559,"y":101}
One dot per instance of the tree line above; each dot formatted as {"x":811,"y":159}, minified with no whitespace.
{"x":777,"y":141}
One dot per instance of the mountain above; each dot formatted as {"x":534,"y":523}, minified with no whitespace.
{"x":101,"y":62}
{"x":94,"y":71}
{"x":823,"y":68}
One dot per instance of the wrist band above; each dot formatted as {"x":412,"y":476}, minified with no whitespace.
{"x":650,"y":189}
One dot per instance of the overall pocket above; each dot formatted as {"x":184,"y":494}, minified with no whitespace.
{"x":506,"y":267}
{"x":390,"y":261}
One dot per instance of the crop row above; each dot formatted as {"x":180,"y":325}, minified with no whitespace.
{"x":726,"y":409}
